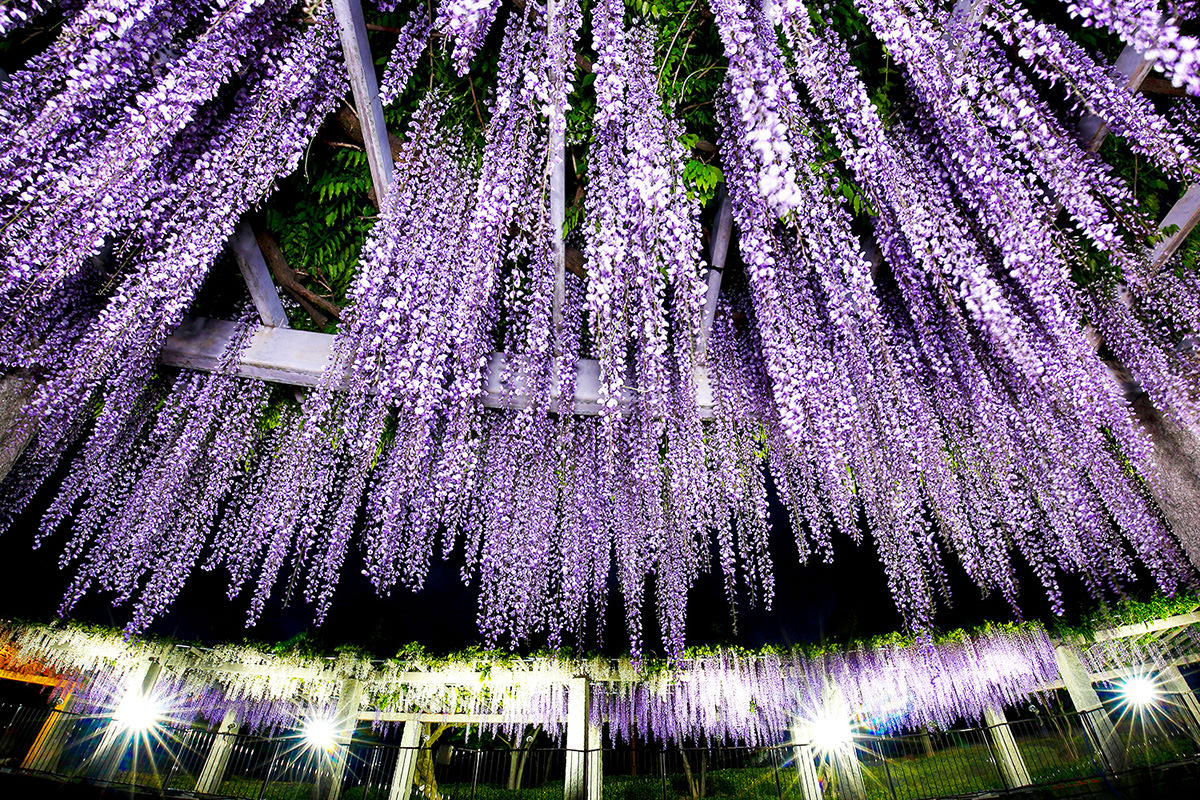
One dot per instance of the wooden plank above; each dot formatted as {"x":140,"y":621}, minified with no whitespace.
{"x":1183,"y":216}
{"x":298,"y":358}
{"x":361,"y":67}
{"x":258,"y":277}
{"x":1134,"y":68}
{"x":41,"y":680}
{"x":279,"y":355}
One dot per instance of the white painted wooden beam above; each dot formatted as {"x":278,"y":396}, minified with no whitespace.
{"x":361,"y":68}
{"x":1133,"y":67}
{"x":298,"y":358}
{"x":718,"y":251}
{"x":1142,"y":628}
{"x":258,"y":277}
{"x":1183,"y":216}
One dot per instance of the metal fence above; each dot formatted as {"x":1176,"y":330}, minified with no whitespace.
{"x":1062,"y":749}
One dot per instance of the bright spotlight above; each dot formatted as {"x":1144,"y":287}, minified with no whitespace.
{"x":137,"y":713}
{"x":831,"y":732}
{"x":320,"y":734}
{"x":1139,"y":691}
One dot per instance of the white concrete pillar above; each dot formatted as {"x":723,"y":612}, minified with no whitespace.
{"x":106,"y":758}
{"x":1181,"y":695}
{"x":851,"y":785}
{"x":584,"y":777}
{"x":846,"y":765}
{"x":806,"y":766}
{"x":212,"y":774}
{"x":1008,"y":756}
{"x":47,"y":748}
{"x":345,"y":719}
{"x":406,"y":760}
{"x":1096,"y":722}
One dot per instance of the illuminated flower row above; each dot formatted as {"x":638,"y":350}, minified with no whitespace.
{"x":722,"y":696}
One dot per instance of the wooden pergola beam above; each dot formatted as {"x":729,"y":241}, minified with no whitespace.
{"x":1133,"y":67}
{"x":298,"y":358}
{"x":722,"y":232}
{"x":1183,"y":217}
{"x":258,"y":277}
{"x":365,"y":88}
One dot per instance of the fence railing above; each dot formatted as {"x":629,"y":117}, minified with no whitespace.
{"x":1047,"y":749}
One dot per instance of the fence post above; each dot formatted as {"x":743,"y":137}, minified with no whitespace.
{"x":262,"y":790}
{"x":806,"y":768}
{"x":1097,"y":725}
{"x":47,"y":748}
{"x":662,"y":768}
{"x":105,"y":760}
{"x":212,"y":774}
{"x":775,"y":768}
{"x":1004,"y":746}
{"x":887,"y":769}
{"x":406,"y":760}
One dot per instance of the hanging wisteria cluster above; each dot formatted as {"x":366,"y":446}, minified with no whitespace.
{"x":944,"y":399}
{"x":131,"y":147}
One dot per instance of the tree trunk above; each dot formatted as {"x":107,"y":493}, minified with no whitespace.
{"x":424,"y":781}
{"x":693,"y":789}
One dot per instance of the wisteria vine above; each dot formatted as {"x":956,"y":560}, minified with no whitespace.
{"x":942,"y":398}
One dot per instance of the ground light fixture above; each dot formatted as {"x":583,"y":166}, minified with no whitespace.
{"x":137,"y":713}
{"x":1139,"y":691}
{"x":319,"y":734}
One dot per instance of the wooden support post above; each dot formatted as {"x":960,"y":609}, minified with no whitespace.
{"x":1095,"y":720}
{"x":1008,"y":755}
{"x":361,"y":67}
{"x":46,"y":750}
{"x":848,"y":768}
{"x":722,"y":231}
{"x":105,"y":760}
{"x":406,"y":760}
{"x":258,"y":277}
{"x":583,"y":779}
{"x":842,"y":756}
{"x":212,"y":774}
{"x":16,"y":429}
